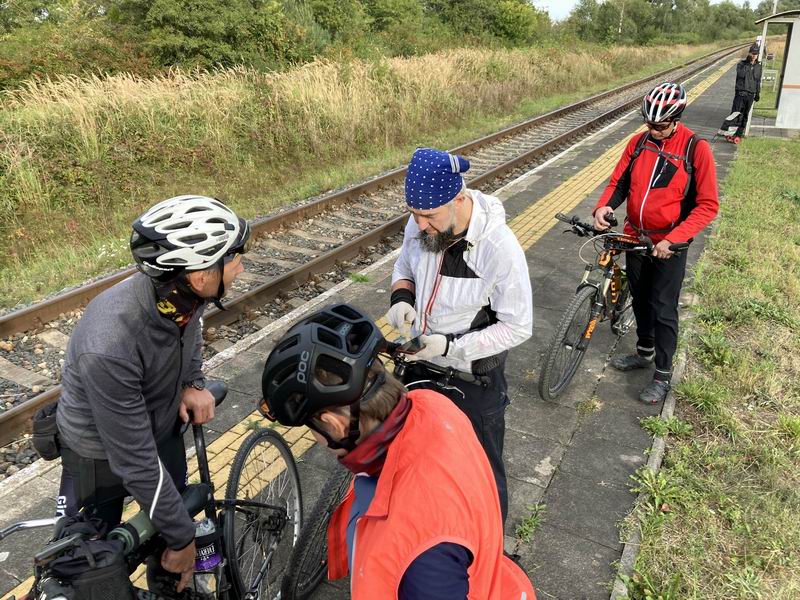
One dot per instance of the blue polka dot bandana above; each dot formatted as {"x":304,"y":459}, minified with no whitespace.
{"x":434,"y":178}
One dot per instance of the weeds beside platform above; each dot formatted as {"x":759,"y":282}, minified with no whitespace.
{"x":727,"y":522}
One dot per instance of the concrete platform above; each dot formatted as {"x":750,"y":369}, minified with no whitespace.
{"x":576,"y":463}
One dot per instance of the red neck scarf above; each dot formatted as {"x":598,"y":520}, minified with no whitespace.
{"x":370,"y":453}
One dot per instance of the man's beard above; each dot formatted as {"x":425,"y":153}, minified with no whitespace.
{"x":438,"y":242}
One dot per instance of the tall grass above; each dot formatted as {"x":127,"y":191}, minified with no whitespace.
{"x":80,"y":157}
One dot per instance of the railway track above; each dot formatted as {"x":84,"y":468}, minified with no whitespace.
{"x":301,"y":251}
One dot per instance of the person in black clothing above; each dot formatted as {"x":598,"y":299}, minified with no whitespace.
{"x":748,"y":87}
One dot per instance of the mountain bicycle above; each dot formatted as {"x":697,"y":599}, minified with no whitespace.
{"x":602,"y":295}
{"x":258,"y":521}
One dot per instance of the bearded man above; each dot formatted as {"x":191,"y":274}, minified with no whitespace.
{"x":461,"y":283}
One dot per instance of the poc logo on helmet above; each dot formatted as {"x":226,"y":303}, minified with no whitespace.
{"x":302,"y":367}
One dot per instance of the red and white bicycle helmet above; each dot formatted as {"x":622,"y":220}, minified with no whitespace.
{"x":665,"y":102}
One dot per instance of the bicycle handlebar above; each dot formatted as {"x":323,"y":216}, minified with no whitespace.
{"x":586,"y":230}
{"x":401,"y":363}
{"x":23,"y":525}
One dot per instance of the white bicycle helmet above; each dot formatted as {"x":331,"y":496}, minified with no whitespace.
{"x":665,"y":102}
{"x":186,"y":233}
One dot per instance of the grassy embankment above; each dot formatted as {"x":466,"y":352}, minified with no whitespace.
{"x":80,"y":158}
{"x":724,"y":522}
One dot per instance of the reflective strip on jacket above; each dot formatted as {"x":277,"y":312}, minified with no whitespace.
{"x":436,"y":487}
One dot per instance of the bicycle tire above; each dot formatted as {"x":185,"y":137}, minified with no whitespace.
{"x":309,"y":561}
{"x":553,"y":380}
{"x":266,"y":463}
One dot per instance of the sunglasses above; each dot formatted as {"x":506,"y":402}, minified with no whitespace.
{"x":659,"y":126}
{"x":266,"y":412}
{"x":242,"y":248}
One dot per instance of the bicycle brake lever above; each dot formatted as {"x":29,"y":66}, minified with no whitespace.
{"x":54,"y":548}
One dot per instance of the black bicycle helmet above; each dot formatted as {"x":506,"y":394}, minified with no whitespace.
{"x":339,"y":340}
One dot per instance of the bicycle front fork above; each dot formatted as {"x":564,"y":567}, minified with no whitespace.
{"x":595,"y":316}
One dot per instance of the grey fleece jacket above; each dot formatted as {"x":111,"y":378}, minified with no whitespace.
{"x":121,"y":390}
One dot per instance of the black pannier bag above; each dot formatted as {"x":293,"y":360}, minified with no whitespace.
{"x":93,"y":568}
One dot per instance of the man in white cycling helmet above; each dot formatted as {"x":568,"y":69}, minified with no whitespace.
{"x":133,"y":371}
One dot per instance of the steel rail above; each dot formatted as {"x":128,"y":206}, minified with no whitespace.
{"x":18,"y":418}
{"x":299,"y":276}
{"x":36,"y":315}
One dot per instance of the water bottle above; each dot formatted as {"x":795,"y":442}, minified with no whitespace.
{"x":206,"y":539}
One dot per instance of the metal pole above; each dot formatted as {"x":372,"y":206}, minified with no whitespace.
{"x":760,"y":56}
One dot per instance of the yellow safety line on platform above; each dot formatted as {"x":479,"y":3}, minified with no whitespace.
{"x":529,"y":226}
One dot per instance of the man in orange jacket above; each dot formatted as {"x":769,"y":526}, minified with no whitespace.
{"x":669,"y":180}
{"x":422,"y":519}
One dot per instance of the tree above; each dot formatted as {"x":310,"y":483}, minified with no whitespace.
{"x":511,"y":20}
{"x":764,"y":7}
{"x":583,"y":20}
{"x":657,"y":21}
{"x":23,"y":13}
{"x":211,"y":33}
{"x":518,"y":22}
{"x":343,"y":19}
{"x":386,"y":14}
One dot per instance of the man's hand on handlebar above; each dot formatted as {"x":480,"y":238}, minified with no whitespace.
{"x":662,"y":249}
{"x":199,"y":402}
{"x":180,"y":561}
{"x":601,"y":218}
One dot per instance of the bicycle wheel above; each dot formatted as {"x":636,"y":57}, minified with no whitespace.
{"x":568,"y":345}
{"x":258,"y":540}
{"x":623,"y":318}
{"x":309,"y":561}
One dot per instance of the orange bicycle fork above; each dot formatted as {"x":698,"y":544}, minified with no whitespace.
{"x":610,"y":269}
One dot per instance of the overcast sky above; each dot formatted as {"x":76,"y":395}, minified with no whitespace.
{"x":559,"y":9}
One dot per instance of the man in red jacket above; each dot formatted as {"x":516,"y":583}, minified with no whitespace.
{"x":422,"y":518}
{"x":668,"y":178}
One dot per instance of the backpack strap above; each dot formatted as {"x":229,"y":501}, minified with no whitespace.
{"x":639,"y":145}
{"x":636,"y":152}
{"x":688,"y":159}
{"x":687,"y":203}
{"x":688,"y":162}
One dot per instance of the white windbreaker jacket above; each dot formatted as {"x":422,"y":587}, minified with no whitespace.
{"x":454,"y":293}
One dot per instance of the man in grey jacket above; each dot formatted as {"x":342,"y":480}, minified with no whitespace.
{"x":133,"y":371}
